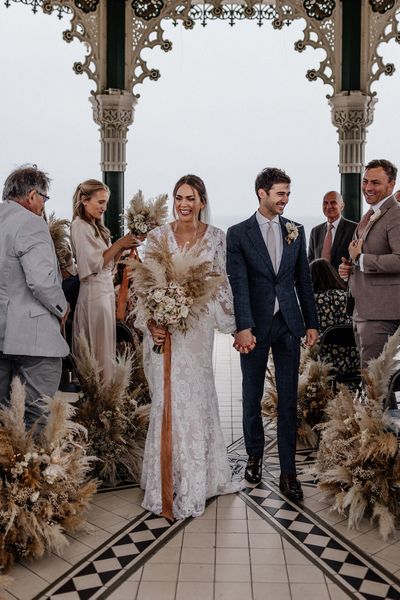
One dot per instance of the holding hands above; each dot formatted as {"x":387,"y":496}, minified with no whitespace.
{"x":245,"y":341}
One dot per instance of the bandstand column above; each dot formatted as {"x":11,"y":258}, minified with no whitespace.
{"x":352,"y":106}
{"x":352,"y":113}
{"x":113,"y":111}
{"x":113,"y":108}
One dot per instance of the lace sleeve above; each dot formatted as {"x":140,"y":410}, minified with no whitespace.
{"x":223,"y":304}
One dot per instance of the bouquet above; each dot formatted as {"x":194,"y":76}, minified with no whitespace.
{"x":174,"y":289}
{"x":141,"y":216}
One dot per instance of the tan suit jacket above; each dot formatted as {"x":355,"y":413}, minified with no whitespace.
{"x":376,"y":289}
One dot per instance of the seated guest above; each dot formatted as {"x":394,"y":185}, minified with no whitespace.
{"x":330,"y":298}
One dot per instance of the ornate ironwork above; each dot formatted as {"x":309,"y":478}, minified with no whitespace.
{"x":232,"y":13}
{"x":319,"y":9}
{"x":381,"y":6}
{"x":147,"y":9}
{"x":87,"y":5}
{"x":36,"y":4}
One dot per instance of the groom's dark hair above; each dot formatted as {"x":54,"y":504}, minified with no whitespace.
{"x":266,"y":179}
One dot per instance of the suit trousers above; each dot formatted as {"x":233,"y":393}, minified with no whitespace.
{"x":286,"y":354}
{"x":371,"y":336}
{"x":41,"y":376}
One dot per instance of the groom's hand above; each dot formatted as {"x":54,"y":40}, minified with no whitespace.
{"x":245,"y":341}
{"x":311,"y":337}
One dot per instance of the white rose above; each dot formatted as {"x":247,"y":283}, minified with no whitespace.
{"x":184,"y":311}
{"x":158,"y":295}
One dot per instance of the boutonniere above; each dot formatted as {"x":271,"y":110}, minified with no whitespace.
{"x":377,"y":215}
{"x":293,"y":232}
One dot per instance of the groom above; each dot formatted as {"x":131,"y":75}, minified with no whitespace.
{"x":274,"y":307}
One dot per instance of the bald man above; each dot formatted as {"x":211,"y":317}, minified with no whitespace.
{"x":330,"y":240}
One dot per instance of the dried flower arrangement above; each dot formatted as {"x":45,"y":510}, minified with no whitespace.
{"x":142,"y":216}
{"x":44,"y":485}
{"x":60,"y":233}
{"x":358,"y":464}
{"x":115,"y":416}
{"x":174,"y":288}
{"x":314,"y":392}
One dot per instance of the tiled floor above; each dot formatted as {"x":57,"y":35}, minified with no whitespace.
{"x":255,"y":545}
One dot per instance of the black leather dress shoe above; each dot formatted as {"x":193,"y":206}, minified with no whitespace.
{"x":253,"y":469}
{"x":290,"y":486}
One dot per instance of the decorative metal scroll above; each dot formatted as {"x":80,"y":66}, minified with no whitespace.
{"x":36,"y":4}
{"x":147,"y":9}
{"x":381,"y":6}
{"x":87,"y":6}
{"x":232,"y":13}
{"x":319,"y":9}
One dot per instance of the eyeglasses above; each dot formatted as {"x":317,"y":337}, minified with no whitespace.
{"x":45,"y":198}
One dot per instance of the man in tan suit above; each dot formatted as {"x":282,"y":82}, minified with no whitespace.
{"x":374,"y":270}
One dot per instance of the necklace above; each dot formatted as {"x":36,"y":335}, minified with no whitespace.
{"x":183,"y":241}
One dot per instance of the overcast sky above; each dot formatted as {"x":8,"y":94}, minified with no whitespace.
{"x":230,"y":101}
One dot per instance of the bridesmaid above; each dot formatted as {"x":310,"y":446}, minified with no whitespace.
{"x":95,"y":256}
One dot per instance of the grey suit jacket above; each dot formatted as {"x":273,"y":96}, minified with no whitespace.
{"x":340,"y":246}
{"x":31,"y":297}
{"x":376,"y":290}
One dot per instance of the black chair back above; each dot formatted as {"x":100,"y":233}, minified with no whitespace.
{"x":341,"y":335}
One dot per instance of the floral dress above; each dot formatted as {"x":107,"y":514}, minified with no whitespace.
{"x":331,"y":310}
{"x":200,"y":463}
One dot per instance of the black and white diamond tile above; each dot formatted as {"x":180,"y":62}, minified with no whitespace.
{"x":350,"y":568}
{"x":111,"y":564}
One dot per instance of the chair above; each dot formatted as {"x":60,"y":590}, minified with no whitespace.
{"x":124,"y":334}
{"x":391,"y":402}
{"x":341,"y":335}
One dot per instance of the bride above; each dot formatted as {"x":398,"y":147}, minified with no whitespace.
{"x":200,"y":464}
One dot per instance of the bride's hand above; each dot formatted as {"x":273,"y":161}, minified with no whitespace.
{"x":158,"y":332}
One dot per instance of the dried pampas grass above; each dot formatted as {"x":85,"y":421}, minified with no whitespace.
{"x":184,"y":269}
{"x":115,"y":416}
{"x":60,"y":233}
{"x":142,"y":216}
{"x":44,"y":486}
{"x":314,"y":392}
{"x":358,"y":464}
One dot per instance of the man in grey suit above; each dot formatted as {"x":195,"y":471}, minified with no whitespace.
{"x":330,"y":240}
{"x":32,"y":303}
{"x":374,"y":271}
{"x":274,"y":308}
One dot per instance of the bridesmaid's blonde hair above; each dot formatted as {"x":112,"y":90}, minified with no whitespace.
{"x":85,"y":191}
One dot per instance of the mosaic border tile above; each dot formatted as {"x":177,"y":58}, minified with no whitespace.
{"x":104,"y":569}
{"x":351,"y":569}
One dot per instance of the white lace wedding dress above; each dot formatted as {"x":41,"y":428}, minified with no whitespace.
{"x":200,"y":464}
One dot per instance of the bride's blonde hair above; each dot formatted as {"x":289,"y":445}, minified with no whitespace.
{"x":85,"y":191}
